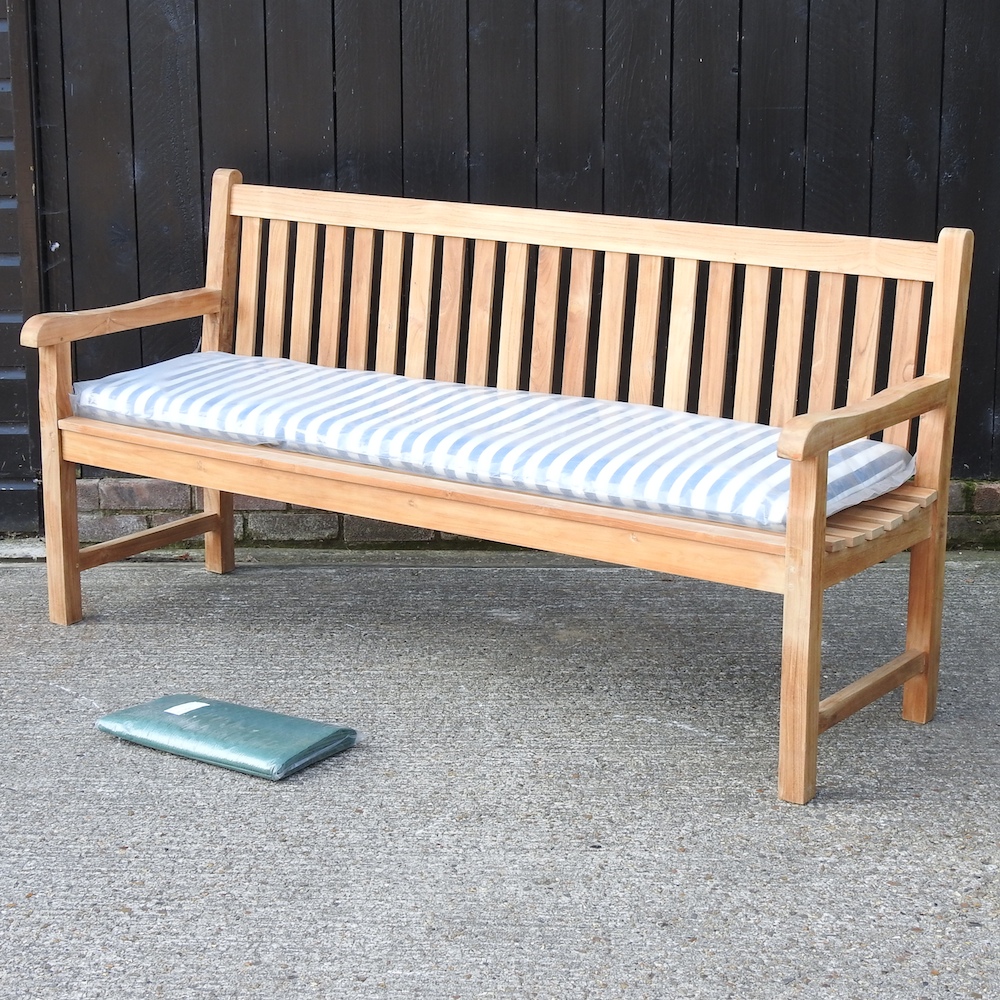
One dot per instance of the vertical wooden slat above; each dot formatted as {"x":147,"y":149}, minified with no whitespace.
{"x":274,"y":290}
{"x":753,"y":330}
{"x":826,"y":341}
{"x":788,"y":351}
{"x":361,"y":299}
{"x":221,"y":262}
{"x":331,"y":296}
{"x":581,"y":295}
{"x":450,"y":309}
{"x":481,"y":315}
{"x":681,"y":334}
{"x":303,"y":291}
{"x":905,"y":347}
{"x":248,"y":293}
{"x":612,"y":326}
{"x":715,"y":352}
{"x":418,"y":318}
{"x":864,"y":346}
{"x":389,"y":303}
{"x":647,"y":319}
{"x":515,"y":275}
{"x":543,"y":335}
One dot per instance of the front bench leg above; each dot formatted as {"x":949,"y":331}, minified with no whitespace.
{"x":802,"y":630}
{"x":62,"y":530}
{"x":220,"y":550}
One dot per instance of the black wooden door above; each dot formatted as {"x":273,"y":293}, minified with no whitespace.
{"x":867,"y":116}
{"x":18,"y":279}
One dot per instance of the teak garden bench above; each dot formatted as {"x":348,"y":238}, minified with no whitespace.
{"x":828,"y":338}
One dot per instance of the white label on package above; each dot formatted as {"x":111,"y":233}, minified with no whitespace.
{"x":188,"y":706}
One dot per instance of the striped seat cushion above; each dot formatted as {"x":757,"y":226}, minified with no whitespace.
{"x":617,"y":454}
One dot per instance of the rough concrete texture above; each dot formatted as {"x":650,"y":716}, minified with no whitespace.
{"x":567,"y":789}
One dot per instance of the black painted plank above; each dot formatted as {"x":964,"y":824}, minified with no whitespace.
{"x":970,"y":196}
{"x":773,"y":113}
{"x":168,"y":186}
{"x":233,"y":88}
{"x":502,"y":113}
{"x":13,"y":396}
{"x":53,"y":192}
{"x":369,"y":96}
{"x":10,"y":286}
{"x":435,"y":48}
{"x":12,"y":355}
{"x":705,"y":111}
{"x":637,"y":107}
{"x":906,"y":146}
{"x":18,"y":507}
{"x":300,"y":86}
{"x":6,"y":173}
{"x":100,"y":172}
{"x":570,"y":104}
{"x":839,"y":115}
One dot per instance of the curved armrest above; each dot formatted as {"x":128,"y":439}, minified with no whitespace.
{"x":47,"y":329}
{"x":812,"y":433}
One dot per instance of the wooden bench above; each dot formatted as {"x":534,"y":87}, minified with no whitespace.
{"x":831,"y":338}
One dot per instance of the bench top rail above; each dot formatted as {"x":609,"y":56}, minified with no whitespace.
{"x":759,"y":325}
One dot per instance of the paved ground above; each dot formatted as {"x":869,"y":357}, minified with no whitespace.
{"x":567,"y":790}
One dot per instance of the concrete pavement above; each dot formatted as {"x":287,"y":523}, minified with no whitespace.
{"x":567,"y":789}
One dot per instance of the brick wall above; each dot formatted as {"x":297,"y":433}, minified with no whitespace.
{"x":113,"y":506}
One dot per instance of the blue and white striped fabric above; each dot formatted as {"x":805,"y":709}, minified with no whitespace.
{"x":616,"y":454}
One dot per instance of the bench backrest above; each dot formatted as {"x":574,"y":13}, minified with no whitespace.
{"x":751,"y":323}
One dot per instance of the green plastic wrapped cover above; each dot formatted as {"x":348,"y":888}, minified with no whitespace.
{"x":251,"y":740}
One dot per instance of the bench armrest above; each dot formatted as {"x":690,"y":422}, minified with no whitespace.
{"x":810,"y":434}
{"x":47,"y":329}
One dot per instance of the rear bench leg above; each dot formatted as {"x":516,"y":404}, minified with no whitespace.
{"x":220,"y":551}
{"x":923,"y":627}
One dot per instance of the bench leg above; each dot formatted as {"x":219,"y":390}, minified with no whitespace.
{"x":62,"y":530}
{"x":220,"y":553}
{"x":923,"y":627}
{"x":62,"y":543}
{"x":800,"y":682}
{"x":802,"y":631}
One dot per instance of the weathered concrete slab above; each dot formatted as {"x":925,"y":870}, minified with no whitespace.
{"x":567,"y":790}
